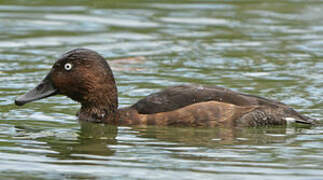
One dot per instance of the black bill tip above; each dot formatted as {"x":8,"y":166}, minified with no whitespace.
{"x":19,"y":102}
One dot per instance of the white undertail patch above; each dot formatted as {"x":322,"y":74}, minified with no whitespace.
{"x":290,"y":119}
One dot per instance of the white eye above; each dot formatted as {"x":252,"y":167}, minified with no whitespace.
{"x":68,"y":66}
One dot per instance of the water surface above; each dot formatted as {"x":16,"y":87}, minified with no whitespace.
{"x":269,"y":48}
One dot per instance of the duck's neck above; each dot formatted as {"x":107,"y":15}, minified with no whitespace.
{"x":100,"y":105}
{"x":99,"y":113}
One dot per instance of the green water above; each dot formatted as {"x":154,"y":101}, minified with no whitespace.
{"x":269,"y":48}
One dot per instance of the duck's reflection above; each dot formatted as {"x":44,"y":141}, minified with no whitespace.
{"x":220,"y":135}
{"x":97,"y":131}
{"x":92,"y":140}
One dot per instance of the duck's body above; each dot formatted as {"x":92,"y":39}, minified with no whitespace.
{"x":85,"y":76}
{"x":195,"y":105}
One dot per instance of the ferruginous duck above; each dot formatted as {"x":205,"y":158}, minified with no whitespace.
{"x":85,"y":76}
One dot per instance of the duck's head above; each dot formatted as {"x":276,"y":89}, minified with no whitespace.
{"x":84,"y":76}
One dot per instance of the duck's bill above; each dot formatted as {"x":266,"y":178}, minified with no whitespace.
{"x":42,"y":90}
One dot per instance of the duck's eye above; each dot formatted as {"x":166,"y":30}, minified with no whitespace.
{"x":68,"y":66}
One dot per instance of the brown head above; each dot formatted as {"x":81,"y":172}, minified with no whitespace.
{"x":84,"y":76}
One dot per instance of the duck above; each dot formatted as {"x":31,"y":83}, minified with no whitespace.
{"x":86,"y":77}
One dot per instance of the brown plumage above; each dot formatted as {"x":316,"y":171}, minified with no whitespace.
{"x":84,"y":76}
{"x":209,"y":113}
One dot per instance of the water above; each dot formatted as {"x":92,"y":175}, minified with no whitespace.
{"x":268,"y":48}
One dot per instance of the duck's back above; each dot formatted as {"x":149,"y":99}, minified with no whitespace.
{"x":180,"y":96}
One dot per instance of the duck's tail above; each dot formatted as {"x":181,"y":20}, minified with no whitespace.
{"x":264,"y":116}
{"x":301,"y":119}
